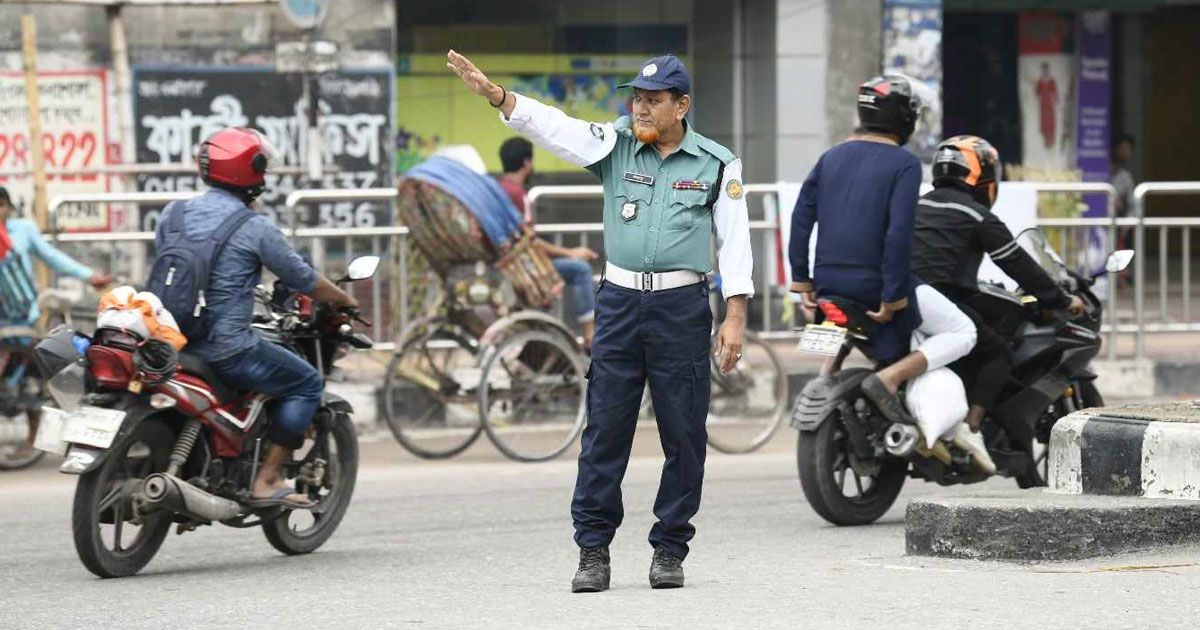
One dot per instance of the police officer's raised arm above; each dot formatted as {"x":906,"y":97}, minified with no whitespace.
{"x":576,"y":141}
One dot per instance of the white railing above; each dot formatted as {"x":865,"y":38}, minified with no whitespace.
{"x":381,"y":238}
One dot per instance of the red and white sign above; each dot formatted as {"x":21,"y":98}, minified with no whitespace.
{"x":74,"y":106}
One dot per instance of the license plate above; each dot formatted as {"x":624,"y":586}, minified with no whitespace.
{"x":822,"y":339}
{"x":93,"y":426}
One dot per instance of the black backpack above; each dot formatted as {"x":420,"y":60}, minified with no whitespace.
{"x":182,"y":269}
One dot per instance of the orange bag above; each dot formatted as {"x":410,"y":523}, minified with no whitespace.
{"x":141,"y":313}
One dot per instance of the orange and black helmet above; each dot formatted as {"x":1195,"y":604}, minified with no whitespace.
{"x":971,"y":163}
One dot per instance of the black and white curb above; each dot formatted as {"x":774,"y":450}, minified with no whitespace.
{"x":1120,"y":453}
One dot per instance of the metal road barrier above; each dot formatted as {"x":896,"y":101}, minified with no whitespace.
{"x":346,"y":242}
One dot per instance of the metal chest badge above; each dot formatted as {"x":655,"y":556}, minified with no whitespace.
{"x":629,"y":211}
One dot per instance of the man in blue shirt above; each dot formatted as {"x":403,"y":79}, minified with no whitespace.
{"x":233,"y":162}
{"x":20,"y":241}
{"x":863,"y":194}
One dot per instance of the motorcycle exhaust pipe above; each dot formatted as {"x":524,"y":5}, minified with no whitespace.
{"x":177,"y":495}
{"x":901,"y":439}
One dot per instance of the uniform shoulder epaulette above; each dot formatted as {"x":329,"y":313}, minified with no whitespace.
{"x":716,"y":149}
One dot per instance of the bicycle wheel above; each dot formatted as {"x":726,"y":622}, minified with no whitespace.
{"x":749,"y":403}
{"x":533,"y":395}
{"x":429,"y":393}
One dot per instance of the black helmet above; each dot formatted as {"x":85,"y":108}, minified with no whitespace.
{"x":889,"y":104}
{"x":155,"y":361}
{"x":970,"y":163}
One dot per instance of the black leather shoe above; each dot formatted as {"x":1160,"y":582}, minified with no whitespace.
{"x":594,"y":571}
{"x":666,"y":571}
{"x":888,"y":403}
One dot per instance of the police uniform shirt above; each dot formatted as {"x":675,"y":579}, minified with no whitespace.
{"x":659,"y":213}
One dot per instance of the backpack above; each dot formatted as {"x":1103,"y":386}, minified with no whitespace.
{"x":182,"y":269}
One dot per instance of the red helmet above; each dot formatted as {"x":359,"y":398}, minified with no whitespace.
{"x":236,"y":158}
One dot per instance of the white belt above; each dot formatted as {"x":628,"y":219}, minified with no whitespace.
{"x":649,"y":280}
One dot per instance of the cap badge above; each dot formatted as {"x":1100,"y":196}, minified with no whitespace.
{"x":650,"y":70}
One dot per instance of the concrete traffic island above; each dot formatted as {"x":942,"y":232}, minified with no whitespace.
{"x":1122,"y":479}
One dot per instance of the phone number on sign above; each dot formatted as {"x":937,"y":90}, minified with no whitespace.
{"x":62,"y":150}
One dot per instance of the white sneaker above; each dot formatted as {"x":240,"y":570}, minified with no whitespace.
{"x":973,"y":444}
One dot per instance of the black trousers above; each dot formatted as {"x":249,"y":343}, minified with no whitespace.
{"x":663,"y":337}
{"x":986,"y":369}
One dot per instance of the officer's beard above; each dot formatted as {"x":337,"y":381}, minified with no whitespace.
{"x":645,"y":134}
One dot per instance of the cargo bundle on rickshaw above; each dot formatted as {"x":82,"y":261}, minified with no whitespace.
{"x":456,"y":216}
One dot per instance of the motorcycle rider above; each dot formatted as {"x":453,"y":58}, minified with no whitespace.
{"x":863,"y":193}
{"x":955,"y":227}
{"x":234,"y":162}
{"x":20,"y":240}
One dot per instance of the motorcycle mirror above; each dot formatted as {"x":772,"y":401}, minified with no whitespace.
{"x":361,"y":268}
{"x":1118,"y":260}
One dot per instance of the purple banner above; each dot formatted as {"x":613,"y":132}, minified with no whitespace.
{"x":1095,"y":103}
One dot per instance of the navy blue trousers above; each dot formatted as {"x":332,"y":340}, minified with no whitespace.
{"x":663,"y":336}
{"x":272,"y":369}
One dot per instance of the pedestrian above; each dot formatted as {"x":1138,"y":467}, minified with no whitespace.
{"x":572,"y":263}
{"x":667,"y":189}
{"x":1124,"y":182}
{"x":863,"y":193}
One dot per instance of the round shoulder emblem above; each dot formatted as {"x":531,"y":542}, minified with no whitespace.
{"x":734,"y":189}
{"x":650,"y":70}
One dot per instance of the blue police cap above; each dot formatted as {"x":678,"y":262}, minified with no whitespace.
{"x":663,"y":73}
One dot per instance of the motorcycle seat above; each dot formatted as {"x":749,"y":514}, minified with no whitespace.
{"x":191,"y":364}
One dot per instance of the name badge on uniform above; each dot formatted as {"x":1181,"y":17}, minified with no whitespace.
{"x":638,"y":178}
{"x":629,"y":211}
{"x":690,"y":185}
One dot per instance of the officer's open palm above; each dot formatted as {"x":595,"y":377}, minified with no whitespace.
{"x":729,"y":344}
{"x":472,"y":76}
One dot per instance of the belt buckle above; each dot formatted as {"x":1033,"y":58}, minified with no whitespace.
{"x":647,"y":281}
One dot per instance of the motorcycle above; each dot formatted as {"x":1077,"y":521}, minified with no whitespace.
{"x":183,"y":447}
{"x":843,"y":435}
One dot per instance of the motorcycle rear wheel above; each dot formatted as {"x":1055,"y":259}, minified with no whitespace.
{"x":103,"y":498}
{"x":823,"y":459}
{"x":296,"y":532}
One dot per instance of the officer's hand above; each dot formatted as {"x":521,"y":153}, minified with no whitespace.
{"x":1077,"y":307}
{"x":472,"y":76}
{"x":884,"y":315}
{"x":583,"y":253}
{"x":729,"y":344}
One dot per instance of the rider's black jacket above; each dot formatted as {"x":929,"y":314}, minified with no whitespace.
{"x":953,"y":232}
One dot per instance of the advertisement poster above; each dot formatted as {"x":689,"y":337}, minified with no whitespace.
{"x":74,"y":108}
{"x":1046,"y":88}
{"x":175,"y":109}
{"x":434,"y":109}
{"x":1095,"y":121}
{"x":912,"y":45}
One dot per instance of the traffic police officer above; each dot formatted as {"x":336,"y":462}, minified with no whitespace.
{"x":667,"y":189}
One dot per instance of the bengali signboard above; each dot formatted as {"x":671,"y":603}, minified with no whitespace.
{"x":74,"y":111}
{"x":175,"y":109}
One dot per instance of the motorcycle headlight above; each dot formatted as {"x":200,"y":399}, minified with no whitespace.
{"x":68,"y":386}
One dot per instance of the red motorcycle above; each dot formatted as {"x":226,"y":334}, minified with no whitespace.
{"x":156,"y":447}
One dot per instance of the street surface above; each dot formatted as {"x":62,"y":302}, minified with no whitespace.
{"x":479,"y":542}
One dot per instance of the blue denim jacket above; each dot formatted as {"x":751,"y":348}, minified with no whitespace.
{"x":230,"y":294}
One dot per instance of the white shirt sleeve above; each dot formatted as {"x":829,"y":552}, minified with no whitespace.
{"x":576,"y":141}
{"x":732,"y":221}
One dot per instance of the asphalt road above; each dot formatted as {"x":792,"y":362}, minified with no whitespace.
{"x":484,"y":543}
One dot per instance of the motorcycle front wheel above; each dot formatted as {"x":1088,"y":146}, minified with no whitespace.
{"x":836,"y":492}
{"x":295,"y":532}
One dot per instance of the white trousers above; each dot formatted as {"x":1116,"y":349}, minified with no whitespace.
{"x":946,"y":334}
